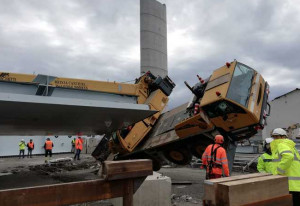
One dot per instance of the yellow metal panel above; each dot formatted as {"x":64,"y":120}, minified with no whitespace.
{"x":142,"y":89}
{"x":15,"y":77}
{"x":235,"y":121}
{"x":257,"y":95}
{"x":222,"y":71}
{"x":193,"y":126}
{"x":157,"y":100}
{"x":101,"y":86}
{"x":210,"y":95}
{"x":136,"y":134}
{"x":110,"y":87}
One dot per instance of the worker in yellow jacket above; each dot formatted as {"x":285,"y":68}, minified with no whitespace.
{"x":265,"y":161}
{"x":22,"y":146}
{"x":286,"y":161}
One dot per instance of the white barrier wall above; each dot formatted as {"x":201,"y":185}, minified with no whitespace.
{"x":9,"y":145}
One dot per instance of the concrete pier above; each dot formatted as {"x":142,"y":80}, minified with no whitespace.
{"x":155,"y":191}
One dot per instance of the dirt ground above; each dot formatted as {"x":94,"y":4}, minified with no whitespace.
{"x":187,"y":183}
{"x":17,"y":173}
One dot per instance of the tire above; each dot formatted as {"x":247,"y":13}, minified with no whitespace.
{"x":197,"y":149}
{"x":179,"y":156}
{"x":156,"y":165}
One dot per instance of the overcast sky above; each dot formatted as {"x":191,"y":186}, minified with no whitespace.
{"x":100,"y":39}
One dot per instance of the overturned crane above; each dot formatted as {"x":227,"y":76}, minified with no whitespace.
{"x":233,"y":102}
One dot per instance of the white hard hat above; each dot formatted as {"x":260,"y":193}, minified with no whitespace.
{"x":279,"y":132}
{"x":268,"y":140}
{"x":22,"y":140}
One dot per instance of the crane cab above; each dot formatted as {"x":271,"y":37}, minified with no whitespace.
{"x":235,"y":100}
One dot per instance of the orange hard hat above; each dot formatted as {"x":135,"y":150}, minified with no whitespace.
{"x":219,"y":139}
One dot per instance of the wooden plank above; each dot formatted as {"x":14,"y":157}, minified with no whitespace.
{"x":128,"y":194}
{"x":125,"y":177}
{"x":237,"y":177}
{"x":236,"y":193}
{"x":210,"y":186}
{"x":286,"y":200}
{"x":63,"y":194}
{"x":114,"y":170}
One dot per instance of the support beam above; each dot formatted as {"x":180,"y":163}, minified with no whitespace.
{"x":125,"y":169}
{"x":128,"y":194}
{"x":63,"y":194}
{"x":81,"y":192}
{"x":286,"y":200}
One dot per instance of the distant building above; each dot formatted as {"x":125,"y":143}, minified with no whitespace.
{"x":285,"y":113}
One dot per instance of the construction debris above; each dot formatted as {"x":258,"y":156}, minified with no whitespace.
{"x":66,"y":159}
{"x":177,"y":199}
{"x":63,"y":165}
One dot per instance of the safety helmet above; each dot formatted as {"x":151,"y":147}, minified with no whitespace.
{"x":267,"y":146}
{"x":279,"y":132}
{"x":219,"y":139}
{"x":268,"y":140}
{"x":22,"y":140}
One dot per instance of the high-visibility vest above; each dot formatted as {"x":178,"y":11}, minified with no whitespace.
{"x":30,"y":145}
{"x":219,"y":159}
{"x":73,"y":142}
{"x":286,"y":162}
{"x":78,"y":144}
{"x":22,"y":145}
{"x":49,"y":145}
{"x":265,"y":163}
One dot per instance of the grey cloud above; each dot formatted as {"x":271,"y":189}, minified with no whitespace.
{"x":99,"y":39}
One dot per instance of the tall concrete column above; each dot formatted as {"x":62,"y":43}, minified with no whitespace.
{"x":153,"y":23}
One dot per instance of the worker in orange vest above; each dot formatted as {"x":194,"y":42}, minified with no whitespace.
{"x":30,"y":147}
{"x":78,"y":146}
{"x":48,"y":149}
{"x":214,"y":159}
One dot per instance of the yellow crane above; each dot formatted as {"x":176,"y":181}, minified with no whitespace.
{"x":233,"y":102}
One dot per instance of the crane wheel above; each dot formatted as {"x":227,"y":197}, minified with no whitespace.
{"x":180,"y":156}
{"x":156,"y":165}
{"x":198,"y":149}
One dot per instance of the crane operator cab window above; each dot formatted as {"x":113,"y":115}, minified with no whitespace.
{"x":240,"y":87}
